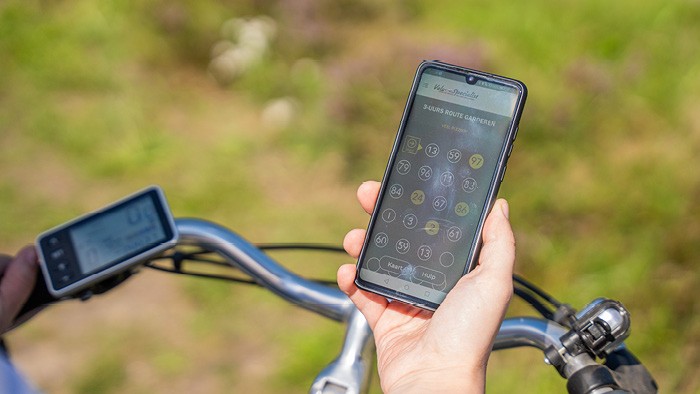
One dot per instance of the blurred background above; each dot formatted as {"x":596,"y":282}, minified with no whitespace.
{"x":265,"y":115}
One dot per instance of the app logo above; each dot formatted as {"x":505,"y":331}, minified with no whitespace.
{"x":411,"y":145}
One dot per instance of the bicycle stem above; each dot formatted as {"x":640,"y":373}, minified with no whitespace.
{"x":349,"y":373}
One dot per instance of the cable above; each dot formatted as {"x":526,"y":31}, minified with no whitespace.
{"x":528,"y":292}
{"x":178,"y":261}
{"x":319,"y":247}
{"x":533,"y":288}
{"x":200,"y":275}
{"x":528,"y":297}
{"x":331,"y":248}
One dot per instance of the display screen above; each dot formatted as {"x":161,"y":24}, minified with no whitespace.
{"x":438,"y":185}
{"x":117,"y":234}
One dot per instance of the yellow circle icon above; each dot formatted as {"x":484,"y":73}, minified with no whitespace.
{"x":432,"y":227}
{"x":476,"y":161}
{"x":462,"y":209}
{"x":417,"y":197}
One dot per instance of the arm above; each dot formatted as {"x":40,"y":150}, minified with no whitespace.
{"x":446,"y":351}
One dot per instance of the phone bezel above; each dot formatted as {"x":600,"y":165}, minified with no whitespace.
{"x":497,"y":177}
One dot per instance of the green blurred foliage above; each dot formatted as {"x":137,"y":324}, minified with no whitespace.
{"x":100,"y":98}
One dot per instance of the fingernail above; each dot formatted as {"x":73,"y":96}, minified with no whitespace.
{"x":505,"y":209}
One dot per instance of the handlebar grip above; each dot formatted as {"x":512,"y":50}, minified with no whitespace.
{"x":630,"y":373}
{"x":591,"y":379}
{"x":38,"y":299}
{"x":41,"y":298}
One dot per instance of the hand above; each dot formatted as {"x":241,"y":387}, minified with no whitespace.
{"x":16,"y":284}
{"x":419,"y":351}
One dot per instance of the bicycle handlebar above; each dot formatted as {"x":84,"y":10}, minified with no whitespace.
{"x":349,"y":371}
{"x":330,"y":302}
{"x":326,"y":301}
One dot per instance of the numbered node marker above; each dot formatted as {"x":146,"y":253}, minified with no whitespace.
{"x":424,"y":252}
{"x":439,"y":203}
{"x":396,"y":191}
{"x":403,"y":167}
{"x":381,"y":240}
{"x":432,"y":150}
{"x":417,"y":197}
{"x":410,"y":221}
{"x":425,"y":172}
{"x":454,"y":155}
{"x":432,"y":227}
{"x":454,"y":233}
{"x":389,"y":215}
{"x":469,"y":185}
{"x":462,"y":209}
{"x":447,"y":179}
{"x":402,"y":246}
{"x":476,"y":161}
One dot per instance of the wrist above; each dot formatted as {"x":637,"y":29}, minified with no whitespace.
{"x":442,"y":380}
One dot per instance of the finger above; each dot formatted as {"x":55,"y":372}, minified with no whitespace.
{"x":498,"y":251}
{"x":367,"y":195}
{"x":17,"y":283}
{"x":371,"y":305}
{"x":353,"y":242}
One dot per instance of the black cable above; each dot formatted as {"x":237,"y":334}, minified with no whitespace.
{"x":528,"y":297}
{"x":319,"y":247}
{"x":195,"y":256}
{"x":201,"y":275}
{"x":178,"y":270}
{"x":533,"y":288}
{"x":516,"y":278}
{"x":529,"y":291}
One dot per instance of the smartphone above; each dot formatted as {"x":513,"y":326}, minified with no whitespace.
{"x":443,"y":175}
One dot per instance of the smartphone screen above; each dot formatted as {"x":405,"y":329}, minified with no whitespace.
{"x":442,"y":178}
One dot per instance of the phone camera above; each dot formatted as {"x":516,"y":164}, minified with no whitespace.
{"x":471,"y":79}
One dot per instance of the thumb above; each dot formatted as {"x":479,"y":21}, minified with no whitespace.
{"x":16,"y":284}
{"x":498,"y":250}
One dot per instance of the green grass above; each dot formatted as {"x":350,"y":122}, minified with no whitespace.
{"x":106,"y":375}
{"x":99,"y":99}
